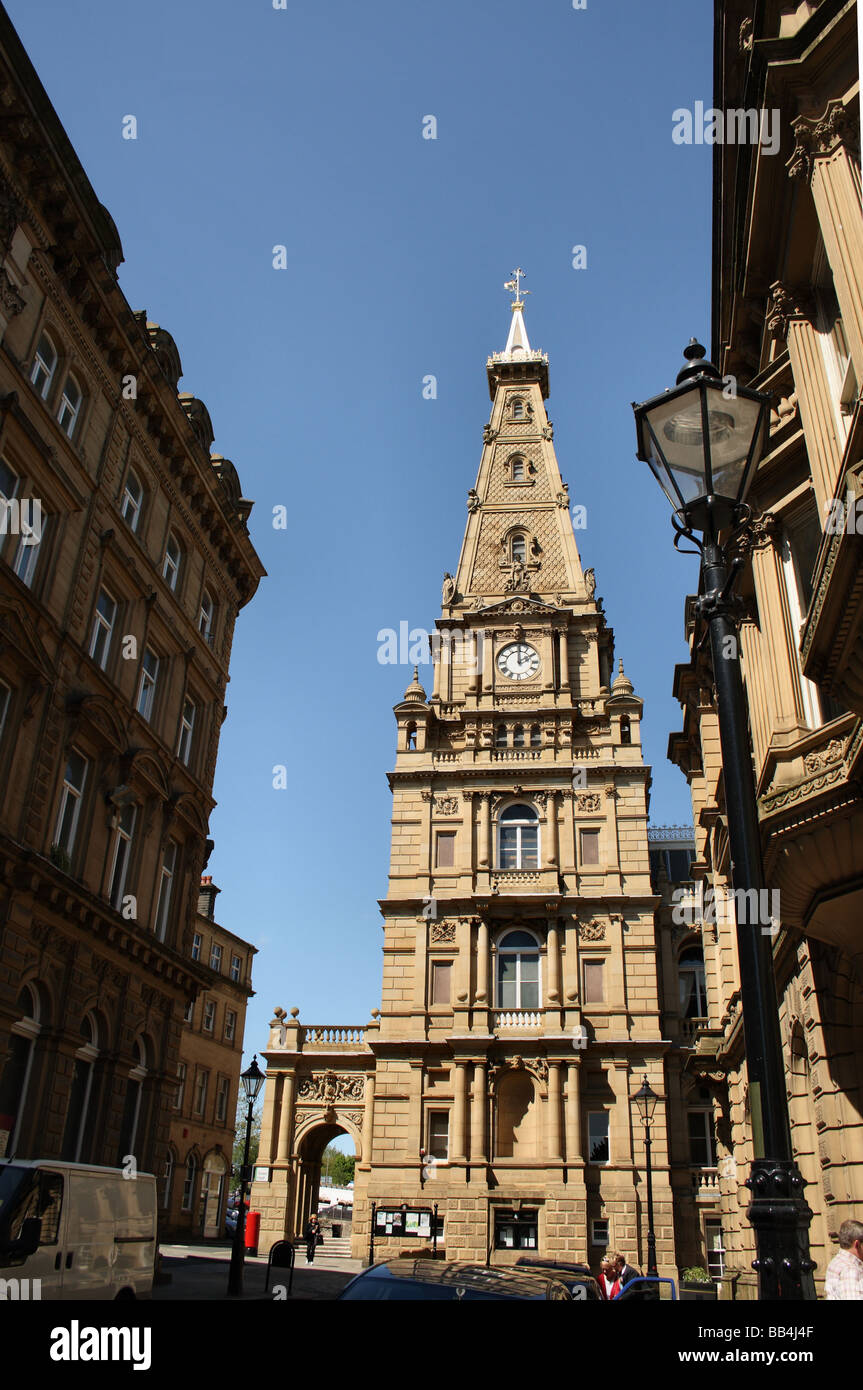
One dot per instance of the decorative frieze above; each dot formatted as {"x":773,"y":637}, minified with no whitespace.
{"x":329,"y":1087}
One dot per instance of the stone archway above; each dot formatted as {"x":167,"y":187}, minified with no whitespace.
{"x":310,"y":1148}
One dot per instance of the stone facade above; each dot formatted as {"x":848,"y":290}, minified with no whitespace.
{"x":519,"y":1006}
{"x":117,"y":613}
{"x":193,"y":1190}
{"x":788,"y":291}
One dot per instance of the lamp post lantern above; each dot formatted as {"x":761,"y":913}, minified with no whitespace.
{"x":253,"y":1079}
{"x":646,"y":1099}
{"x":702,"y":440}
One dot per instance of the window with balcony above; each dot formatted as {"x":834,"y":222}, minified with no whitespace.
{"x":518,"y":971}
{"x":518,"y":838}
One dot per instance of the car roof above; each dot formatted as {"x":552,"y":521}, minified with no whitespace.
{"x":59,"y":1163}
{"x":535,"y":1262}
{"x":473,"y":1276}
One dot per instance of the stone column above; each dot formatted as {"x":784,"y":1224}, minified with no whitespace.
{"x":459,"y":1114}
{"x":487,"y":661}
{"x":789,"y":318}
{"x":823,"y":156}
{"x":482,"y":963}
{"x":478,"y":1114}
{"x":368,"y":1119}
{"x":573,"y":1113}
{"x":461,"y":974}
{"x":547,"y":661}
{"x":564,"y":659}
{"x":552,"y":848}
{"x":552,"y":964}
{"x":286,"y":1123}
{"x":554,"y":1149}
{"x":620,"y":1129}
{"x":446,"y":665}
{"x":485,"y":831}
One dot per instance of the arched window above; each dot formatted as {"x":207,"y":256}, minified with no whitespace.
{"x":70,"y":406}
{"x":518,"y":548}
{"x":518,"y":736}
{"x":189,"y":1183}
{"x":518,"y":971}
{"x":518,"y":838}
{"x":517,"y":469}
{"x":76,"y":1137}
{"x":625,"y":729}
{"x":130,"y":502}
{"x":15,"y":1080}
{"x":44,"y":365}
{"x":693,"y":990}
{"x":535,"y":736}
{"x":500,"y":740}
{"x":517,"y":408}
{"x":411,"y":737}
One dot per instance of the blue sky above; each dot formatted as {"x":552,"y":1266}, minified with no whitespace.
{"x":303,"y":127}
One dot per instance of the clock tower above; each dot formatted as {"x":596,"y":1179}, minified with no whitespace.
{"x":520,"y":1008}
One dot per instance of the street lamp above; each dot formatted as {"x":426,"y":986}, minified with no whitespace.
{"x":646,"y":1099}
{"x":253,"y":1079}
{"x":703,"y":440}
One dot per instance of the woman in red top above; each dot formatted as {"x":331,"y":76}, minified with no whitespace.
{"x":609,"y":1280}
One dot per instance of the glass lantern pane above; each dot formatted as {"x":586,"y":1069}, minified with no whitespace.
{"x":678,"y":446}
{"x":733,"y":421}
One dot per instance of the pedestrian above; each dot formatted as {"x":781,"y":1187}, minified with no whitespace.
{"x":625,"y":1272}
{"x":609,"y":1284}
{"x":844,"y":1278}
{"x":313,"y":1236}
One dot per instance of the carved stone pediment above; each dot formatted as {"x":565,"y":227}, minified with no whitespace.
{"x":528,"y":607}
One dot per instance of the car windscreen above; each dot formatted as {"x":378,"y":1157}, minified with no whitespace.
{"x":406,"y":1290}
{"x":16,"y":1185}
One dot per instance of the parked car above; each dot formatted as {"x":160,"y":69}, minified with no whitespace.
{"x":83,"y":1232}
{"x":430,"y":1281}
{"x":577,"y":1277}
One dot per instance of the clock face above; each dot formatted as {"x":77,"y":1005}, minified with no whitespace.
{"x":518,"y":661}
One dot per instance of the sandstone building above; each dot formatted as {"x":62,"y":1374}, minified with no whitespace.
{"x":124,"y":559}
{"x":788,"y":318}
{"x":193,"y":1190}
{"x":519,"y":1011}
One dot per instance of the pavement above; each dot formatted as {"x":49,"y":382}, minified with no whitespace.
{"x":200,"y":1272}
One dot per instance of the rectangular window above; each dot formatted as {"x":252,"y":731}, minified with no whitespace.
{"x":103,"y":626}
{"x":236,"y":968}
{"x":715,"y":1248}
{"x":515,"y":1230}
{"x":216,"y":958}
{"x":121,"y":853}
{"x":187,"y":725}
{"x":197,"y":944}
{"x":438,"y":1135}
{"x":599,"y":1233}
{"x":441,"y":982}
{"x":445,"y":849}
{"x":594,"y":981}
{"x":130,"y":503}
{"x":190,"y":1010}
{"x":209,"y":1015}
{"x":70,"y":802}
{"x":222,"y":1100}
{"x":201,"y":1083}
{"x":166,"y":883}
{"x":181,"y":1086}
{"x":27,"y":554}
{"x":205,"y":617}
{"x":147,"y":683}
{"x":597,"y":1137}
{"x":702,"y":1143}
{"x":589,"y":840}
{"x":230,"y":1025}
{"x":171,"y":562}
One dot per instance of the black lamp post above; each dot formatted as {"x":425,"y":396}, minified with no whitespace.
{"x":253,"y":1079}
{"x":646,"y":1099}
{"x":703,"y":439}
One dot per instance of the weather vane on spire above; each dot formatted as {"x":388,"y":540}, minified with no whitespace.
{"x":514,"y":285}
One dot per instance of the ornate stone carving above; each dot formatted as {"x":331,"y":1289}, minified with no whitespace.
{"x":442,"y":933}
{"x":473,"y":502}
{"x":819,"y":135}
{"x":563,"y":497}
{"x":590,"y":585}
{"x":548,"y":431}
{"x":445,"y":805}
{"x":11,"y":298}
{"x":329,"y":1087}
{"x":489,"y":434}
{"x":537,"y":1065}
{"x":591,"y":931}
{"x":448,"y":589}
{"x":786,"y":303}
{"x":822,"y":757}
{"x":589,"y":802}
{"x":355,"y":1117}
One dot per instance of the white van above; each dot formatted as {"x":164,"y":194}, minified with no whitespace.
{"x":82,"y":1232}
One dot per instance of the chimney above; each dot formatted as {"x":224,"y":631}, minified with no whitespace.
{"x":207,"y":897}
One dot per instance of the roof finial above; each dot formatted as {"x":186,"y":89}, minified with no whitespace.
{"x":514,"y":284}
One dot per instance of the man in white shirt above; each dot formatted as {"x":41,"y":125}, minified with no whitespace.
{"x":844,"y":1278}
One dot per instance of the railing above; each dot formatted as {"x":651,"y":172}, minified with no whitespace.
{"x":505,"y":876}
{"x":691,"y":1027}
{"x":705,"y":1182}
{"x":514,"y":755}
{"x":326,"y":1035}
{"x":517,"y":1018}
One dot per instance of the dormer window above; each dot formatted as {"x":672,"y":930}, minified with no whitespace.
{"x":44,"y":365}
